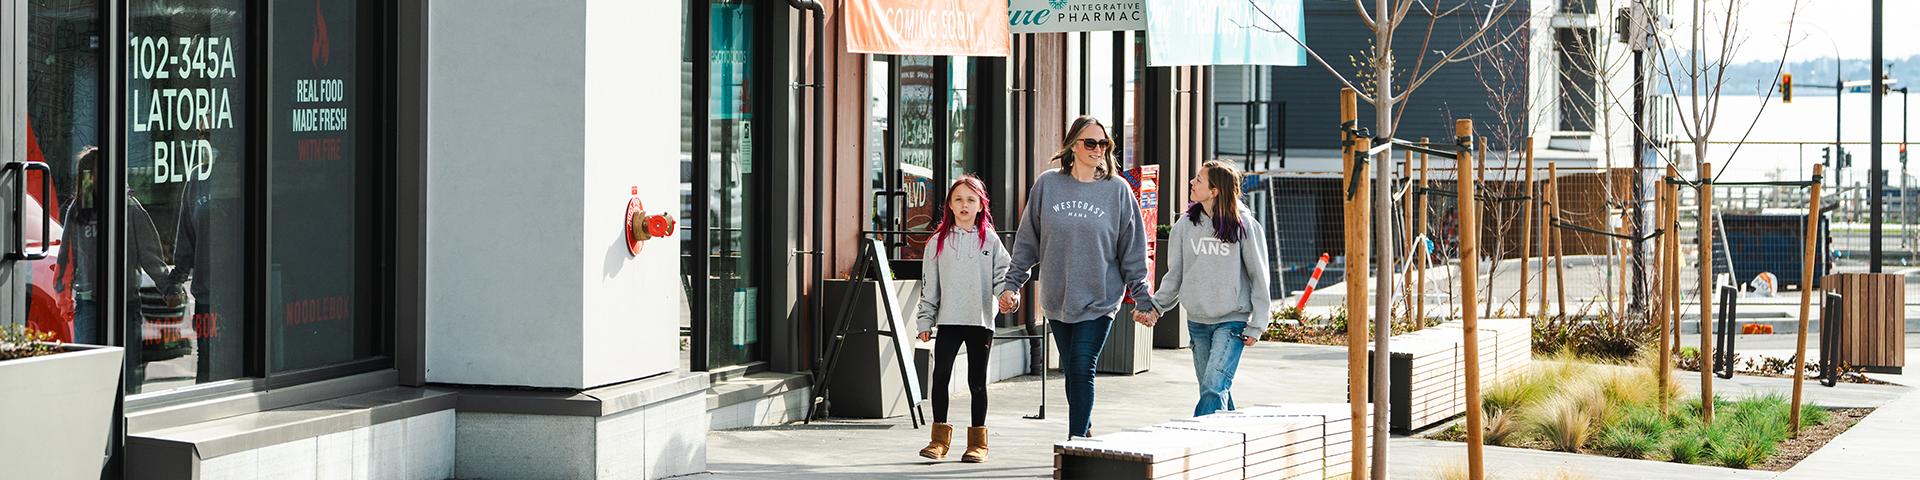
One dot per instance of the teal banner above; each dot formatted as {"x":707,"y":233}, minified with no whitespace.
{"x":1225,"y":32}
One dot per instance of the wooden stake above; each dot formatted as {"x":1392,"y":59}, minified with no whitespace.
{"x":1546,"y":238}
{"x":1706,"y":293}
{"x":1426,"y":256}
{"x":1559,"y":241}
{"x":1619,"y":314}
{"x":1469,"y":282}
{"x":1356,"y":230}
{"x":1806,"y":298}
{"x":1661,"y":256}
{"x":1526,"y":227}
{"x":1406,"y":171}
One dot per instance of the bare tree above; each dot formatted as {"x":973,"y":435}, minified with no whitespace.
{"x":1385,"y":19}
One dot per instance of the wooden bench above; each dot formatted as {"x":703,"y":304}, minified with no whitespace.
{"x":1427,"y":374}
{"x":1286,"y":441}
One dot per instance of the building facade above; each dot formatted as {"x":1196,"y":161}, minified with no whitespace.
{"x":392,"y":238}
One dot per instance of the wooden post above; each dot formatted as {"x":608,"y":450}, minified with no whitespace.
{"x":1479,"y":213}
{"x":1706,"y":293}
{"x":1621,"y":252}
{"x":1426,"y":256}
{"x":1546,"y":238}
{"x":1806,"y":298}
{"x":1526,"y":227}
{"x":1406,"y":171}
{"x":1469,"y":282}
{"x":1661,"y":255}
{"x":1673,"y":267}
{"x":1356,"y":229}
{"x":1559,"y":241}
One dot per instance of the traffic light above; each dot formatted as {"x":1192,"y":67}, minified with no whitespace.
{"x":1786,"y":88}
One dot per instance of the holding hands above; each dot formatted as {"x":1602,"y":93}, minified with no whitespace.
{"x":1148,"y":318}
{"x":1009,"y":301}
{"x":926,"y":336}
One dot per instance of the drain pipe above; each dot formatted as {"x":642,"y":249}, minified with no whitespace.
{"x":816,"y":245}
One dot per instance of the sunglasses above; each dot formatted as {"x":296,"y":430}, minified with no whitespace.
{"x":1095,"y":143}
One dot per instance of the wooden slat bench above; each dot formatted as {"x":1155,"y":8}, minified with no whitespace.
{"x":1427,"y":374}
{"x":1285,"y":441}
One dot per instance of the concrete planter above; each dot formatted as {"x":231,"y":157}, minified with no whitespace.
{"x":58,"y":411}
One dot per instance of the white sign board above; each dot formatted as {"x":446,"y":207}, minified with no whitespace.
{"x":1053,"y":16}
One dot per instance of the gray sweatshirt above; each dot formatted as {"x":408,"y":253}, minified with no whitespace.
{"x":1088,"y":241}
{"x":1217,"y":282}
{"x":956,"y":287}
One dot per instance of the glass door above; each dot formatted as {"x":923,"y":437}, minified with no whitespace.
{"x":733,"y":187}
{"x":59,"y":122}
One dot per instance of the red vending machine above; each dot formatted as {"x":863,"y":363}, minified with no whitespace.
{"x":1145,"y":180}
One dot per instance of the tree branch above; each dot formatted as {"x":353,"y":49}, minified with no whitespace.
{"x":1464,"y":43}
{"x":1362,"y":94}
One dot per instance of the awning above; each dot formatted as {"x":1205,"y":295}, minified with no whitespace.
{"x":928,"y":27}
{"x":1225,"y":32}
{"x":1054,"y":16}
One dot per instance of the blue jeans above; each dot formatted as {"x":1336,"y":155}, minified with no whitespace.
{"x":1079,"y":345}
{"x":1216,"y":355}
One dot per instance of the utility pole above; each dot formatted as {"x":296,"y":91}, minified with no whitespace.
{"x":1638,"y":20}
{"x":1876,"y":178}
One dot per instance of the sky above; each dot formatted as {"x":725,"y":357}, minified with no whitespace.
{"x":1821,"y":26}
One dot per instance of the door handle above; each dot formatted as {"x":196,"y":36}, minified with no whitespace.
{"x":17,"y":250}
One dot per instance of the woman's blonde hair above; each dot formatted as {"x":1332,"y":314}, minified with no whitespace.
{"x":1106,"y":167}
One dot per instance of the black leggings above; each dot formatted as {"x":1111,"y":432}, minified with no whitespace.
{"x":979,"y":341}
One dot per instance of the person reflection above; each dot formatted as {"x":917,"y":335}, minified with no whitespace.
{"x":193,"y":259}
{"x":81,"y":243}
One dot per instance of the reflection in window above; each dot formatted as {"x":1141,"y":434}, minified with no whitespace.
{"x":185,"y":166}
{"x":63,"y":81}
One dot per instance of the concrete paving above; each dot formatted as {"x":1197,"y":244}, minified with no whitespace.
{"x":1881,"y":446}
{"x":1270,"y":372}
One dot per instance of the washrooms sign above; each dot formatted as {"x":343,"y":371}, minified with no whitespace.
{"x":1052,"y":16}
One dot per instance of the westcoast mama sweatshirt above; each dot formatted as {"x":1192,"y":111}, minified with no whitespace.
{"x":1215,"y":281}
{"x":956,"y":287}
{"x":1087,"y":239}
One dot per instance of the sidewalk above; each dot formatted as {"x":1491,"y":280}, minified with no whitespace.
{"x":1881,"y":446}
{"x":1270,"y":372}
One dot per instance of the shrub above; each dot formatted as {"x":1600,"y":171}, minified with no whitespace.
{"x":1685,"y":447}
{"x":1566,"y":419}
{"x":1501,"y":428}
{"x":1517,"y":391}
{"x":1742,"y":451}
{"x":1627,"y":443}
{"x":1811,"y":414}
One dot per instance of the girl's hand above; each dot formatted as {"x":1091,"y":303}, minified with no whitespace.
{"x":926,"y":336}
{"x":1009,"y":302}
{"x":1249,"y":340}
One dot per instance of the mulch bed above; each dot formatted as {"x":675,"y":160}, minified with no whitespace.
{"x":1812,"y":438}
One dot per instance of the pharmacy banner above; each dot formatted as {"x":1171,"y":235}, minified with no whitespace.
{"x":1225,"y":32}
{"x":1054,"y":16}
{"x":928,"y":27}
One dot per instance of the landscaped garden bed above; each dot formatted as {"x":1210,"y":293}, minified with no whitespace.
{"x":1614,"y":410}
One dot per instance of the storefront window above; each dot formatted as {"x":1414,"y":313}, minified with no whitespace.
{"x":186,"y":161}
{"x":734,"y":334}
{"x":320,"y":270}
{"x":914,"y":130}
{"x":63,"y":119}
{"x":932,"y":90}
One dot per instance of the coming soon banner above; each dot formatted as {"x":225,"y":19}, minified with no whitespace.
{"x":1225,"y":32}
{"x":928,"y":27}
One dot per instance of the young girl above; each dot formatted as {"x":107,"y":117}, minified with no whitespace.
{"x":1217,"y":267}
{"x":957,"y":295}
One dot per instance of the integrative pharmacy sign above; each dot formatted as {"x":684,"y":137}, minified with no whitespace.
{"x":1053,"y":16}
{"x":1225,"y":32}
{"x":928,"y":27}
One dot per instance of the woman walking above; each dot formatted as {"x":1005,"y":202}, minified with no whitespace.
{"x":1217,"y":268}
{"x":1082,"y":227}
{"x":956,"y":293}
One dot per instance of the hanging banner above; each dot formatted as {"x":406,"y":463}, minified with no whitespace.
{"x":1225,"y":32}
{"x":1054,"y":16}
{"x":928,"y":27}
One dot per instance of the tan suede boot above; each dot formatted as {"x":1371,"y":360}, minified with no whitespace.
{"x":942,"y":440}
{"x":976,"y":445}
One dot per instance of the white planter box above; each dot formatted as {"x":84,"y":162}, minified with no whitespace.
{"x":58,"y":410}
